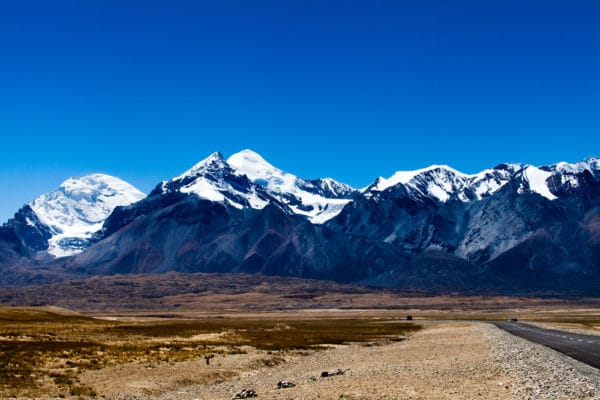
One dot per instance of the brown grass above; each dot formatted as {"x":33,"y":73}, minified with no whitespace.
{"x":44,"y":352}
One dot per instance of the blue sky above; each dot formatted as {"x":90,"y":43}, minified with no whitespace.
{"x":353,"y":90}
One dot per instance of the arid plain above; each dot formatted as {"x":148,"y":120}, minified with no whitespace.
{"x":198,"y":336}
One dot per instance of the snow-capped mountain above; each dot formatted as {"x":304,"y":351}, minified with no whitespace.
{"x":246,"y":179}
{"x":568,"y":177}
{"x":319,"y":200}
{"x":63,"y":222}
{"x":513,"y":227}
{"x":213,"y":179}
{"x":476,"y":217}
{"x":442,"y":183}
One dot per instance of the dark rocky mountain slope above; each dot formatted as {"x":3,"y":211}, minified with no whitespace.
{"x":511,"y":229}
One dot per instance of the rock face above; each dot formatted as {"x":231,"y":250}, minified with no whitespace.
{"x":190,"y":234}
{"x":214,"y":219}
{"x":531,"y":227}
{"x":512,"y":228}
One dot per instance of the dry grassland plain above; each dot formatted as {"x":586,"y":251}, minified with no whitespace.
{"x":45,"y":352}
{"x":198,"y":344}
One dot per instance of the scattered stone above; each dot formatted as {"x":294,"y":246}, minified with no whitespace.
{"x":285,"y":385}
{"x":326,"y":374}
{"x":244,"y":394}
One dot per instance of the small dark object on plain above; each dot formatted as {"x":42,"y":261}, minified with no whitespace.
{"x":244,"y":394}
{"x":285,"y":385}
{"x":513,"y":320}
{"x":326,"y":374}
{"x":409,"y":317}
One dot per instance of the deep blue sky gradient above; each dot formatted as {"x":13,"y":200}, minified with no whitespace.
{"x":350,"y":89}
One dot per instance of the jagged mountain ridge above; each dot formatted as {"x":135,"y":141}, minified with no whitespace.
{"x":246,"y":179}
{"x":319,"y":200}
{"x":433,"y":228}
{"x":528,"y":200}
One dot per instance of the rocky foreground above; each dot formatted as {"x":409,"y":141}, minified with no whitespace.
{"x":446,"y":360}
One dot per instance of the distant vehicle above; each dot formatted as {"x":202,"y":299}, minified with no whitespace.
{"x":513,"y":320}
{"x":409,"y":317}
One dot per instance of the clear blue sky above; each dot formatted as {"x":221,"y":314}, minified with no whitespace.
{"x":352,"y":90}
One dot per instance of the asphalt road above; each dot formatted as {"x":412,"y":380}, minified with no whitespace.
{"x":585,"y":348}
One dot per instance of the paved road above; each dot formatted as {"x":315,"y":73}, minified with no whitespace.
{"x":585,"y":348}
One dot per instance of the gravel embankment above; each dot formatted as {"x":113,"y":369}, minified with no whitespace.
{"x":537,"y":372}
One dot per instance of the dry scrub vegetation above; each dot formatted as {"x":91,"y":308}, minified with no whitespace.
{"x":44,"y":351}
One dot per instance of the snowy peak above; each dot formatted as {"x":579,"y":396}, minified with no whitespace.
{"x":258,"y":170}
{"x":253,"y":164}
{"x":439,"y":182}
{"x":319,"y":200}
{"x":214,"y":162}
{"x":442,"y":183}
{"x":213,"y":179}
{"x":405,"y":177}
{"x":78,"y":208}
{"x":591,"y":164}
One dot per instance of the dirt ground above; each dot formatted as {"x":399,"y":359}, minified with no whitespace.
{"x":442,"y":361}
{"x":149,"y":354}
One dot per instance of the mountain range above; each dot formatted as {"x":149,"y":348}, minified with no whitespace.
{"x":513,"y":228}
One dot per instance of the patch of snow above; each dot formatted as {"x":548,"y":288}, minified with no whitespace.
{"x":204,"y":189}
{"x":435,"y":247}
{"x":438,"y":192}
{"x":569,"y":179}
{"x":390,"y":238}
{"x":537,"y":181}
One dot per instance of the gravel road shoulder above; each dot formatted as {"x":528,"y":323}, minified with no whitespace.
{"x":537,"y":372}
